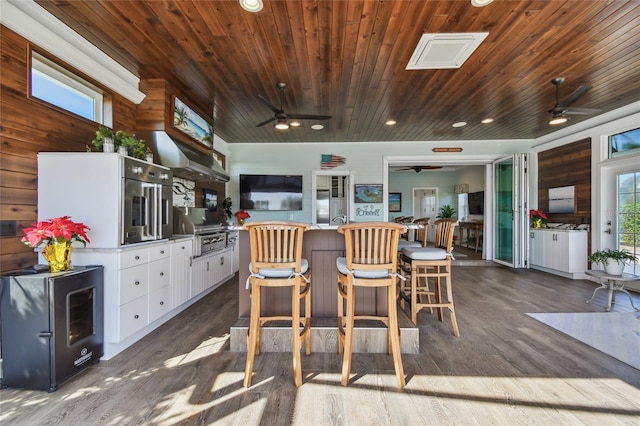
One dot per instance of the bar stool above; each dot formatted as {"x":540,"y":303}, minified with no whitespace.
{"x":276,"y":261}
{"x":419,"y":240}
{"x":371,"y":260}
{"x":426,"y":263}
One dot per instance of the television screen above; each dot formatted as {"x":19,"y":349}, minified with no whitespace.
{"x":210,"y":201}
{"x":270,"y":192}
{"x":476,"y":202}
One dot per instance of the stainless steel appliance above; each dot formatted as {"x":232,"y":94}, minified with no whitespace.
{"x":148,"y":200}
{"x":209,"y":235}
{"x":52,"y":326}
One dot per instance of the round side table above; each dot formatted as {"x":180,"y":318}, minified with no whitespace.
{"x":612,"y":283}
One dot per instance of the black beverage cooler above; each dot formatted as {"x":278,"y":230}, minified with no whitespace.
{"x":52,"y":326}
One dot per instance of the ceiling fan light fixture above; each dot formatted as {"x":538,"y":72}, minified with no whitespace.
{"x":252,"y":6}
{"x":480,"y":3}
{"x":558,"y":120}
{"x":390,"y":122}
{"x":281,"y":125}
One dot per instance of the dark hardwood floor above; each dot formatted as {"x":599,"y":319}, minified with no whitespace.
{"x":505,"y":368}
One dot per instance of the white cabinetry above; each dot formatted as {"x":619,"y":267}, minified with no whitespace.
{"x":159,"y":281}
{"x":211,"y":270}
{"x":562,"y":252}
{"x":181,"y":281}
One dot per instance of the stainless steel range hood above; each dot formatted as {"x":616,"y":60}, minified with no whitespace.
{"x":185,"y":161}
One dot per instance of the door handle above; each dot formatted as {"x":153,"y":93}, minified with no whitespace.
{"x":608,"y":231}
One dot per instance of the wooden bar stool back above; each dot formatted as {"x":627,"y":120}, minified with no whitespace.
{"x":431,"y":263}
{"x":419,"y":240}
{"x":371,"y":260}
{"x":276,"y":261}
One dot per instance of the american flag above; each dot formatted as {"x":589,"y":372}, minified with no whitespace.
{"x":329,"y":161}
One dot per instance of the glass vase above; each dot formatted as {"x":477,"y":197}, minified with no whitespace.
{"x":58,"y":254}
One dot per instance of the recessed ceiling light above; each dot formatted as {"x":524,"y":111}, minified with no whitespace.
{"x":294,"y":124}
{"x":282,"y":125}
{"x":390,"y":122}
{"x":558,"y":120}
{"x":480,"y":3}
{"x":487,"y":121}
{"x":459,"y":124}
{"x":251,"y":5}
{"x":317,"y":127}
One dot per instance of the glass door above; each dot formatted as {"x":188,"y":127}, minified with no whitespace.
{"x":510,"y":192}
{"x":628,"y":235}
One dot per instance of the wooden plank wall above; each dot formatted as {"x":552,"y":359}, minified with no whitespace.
{"x":29,"y":126}
{"x":567,"y":165}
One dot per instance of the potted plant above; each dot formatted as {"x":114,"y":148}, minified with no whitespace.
{"x":613,"y":260}
{"x":446,"y":212}
{"x":135,"y":147}
{"x":537,"y":218}
{"x":57,"y":235}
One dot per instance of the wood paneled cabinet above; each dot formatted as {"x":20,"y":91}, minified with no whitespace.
{"x":181,"y":272}
{"x":563,"y":252}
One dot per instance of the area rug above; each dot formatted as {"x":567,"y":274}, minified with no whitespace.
{"x":614,"y":333}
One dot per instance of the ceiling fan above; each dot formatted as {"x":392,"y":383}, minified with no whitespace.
{"x":418,"y":169}
{"x":282,"y":118}
{"x":561,"y":109}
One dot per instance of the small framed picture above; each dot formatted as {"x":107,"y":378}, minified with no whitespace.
{"x":368,"y":193}
{"x":395,"y":201}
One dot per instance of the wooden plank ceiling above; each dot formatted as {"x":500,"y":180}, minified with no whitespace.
{"x":347,"y":59}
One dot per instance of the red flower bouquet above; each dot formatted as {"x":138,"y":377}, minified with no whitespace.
{"x":56,"y":230}
{"x":537,"y":217}
{"x":242,"y":214}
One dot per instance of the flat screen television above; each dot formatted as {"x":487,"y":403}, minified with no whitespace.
{"x":270,"y":192}
{"x":476,"y":202}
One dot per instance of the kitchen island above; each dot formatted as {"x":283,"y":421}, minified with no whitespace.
{"x":322,"y":246}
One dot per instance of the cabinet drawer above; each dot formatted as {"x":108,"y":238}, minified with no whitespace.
{"x":131,"y":258}
{"x":133,"y":317}
{"x":159,"y":252}
{"x":159,"y":303}
{"x":159,"y":273}
{"x":134,"y":282}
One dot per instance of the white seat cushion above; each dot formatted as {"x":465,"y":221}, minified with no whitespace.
{"x":404,"y":243}
{"x":282,"y":272}
{"x":424,"y":253}
{"x":341,"y":263}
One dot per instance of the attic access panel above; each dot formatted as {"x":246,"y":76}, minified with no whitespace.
{"x":443,"y":51}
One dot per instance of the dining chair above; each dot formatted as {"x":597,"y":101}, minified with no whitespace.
{"x":276,"y":261}
{"x":370,"y":261}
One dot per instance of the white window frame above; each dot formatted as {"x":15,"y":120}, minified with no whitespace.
{"x":71,"y":82}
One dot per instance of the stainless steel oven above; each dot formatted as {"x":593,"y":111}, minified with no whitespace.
{"x":148,"y":201}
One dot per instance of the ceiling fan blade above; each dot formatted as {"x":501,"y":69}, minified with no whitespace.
{"x":574,"y":96}
{"x":268,"y":104}
{"x":266,"y":122}
{"x":582,"y":111}
{"x":309,"y":116}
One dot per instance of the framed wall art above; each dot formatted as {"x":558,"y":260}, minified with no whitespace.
{"x":368,"y":194}
{"x":395,"y":201}
{"x":189,"y":122}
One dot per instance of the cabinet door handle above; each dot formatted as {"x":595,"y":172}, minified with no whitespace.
{"x":222,"y":260}
{"x":137,"y":257}
{"x":162,"y":274}
{"x":136,"y":316}
{"x":207,"y":266}
{"x":137,"y":283}
{"x":161,"y":251}
{"x":161,"y":303}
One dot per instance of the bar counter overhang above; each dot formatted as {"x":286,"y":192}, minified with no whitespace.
{"x":322,"y":246}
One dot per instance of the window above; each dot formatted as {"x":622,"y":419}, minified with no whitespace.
{"x":54,"y":84}
{"x":624,"y":143}
{"x":629,"y":215}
